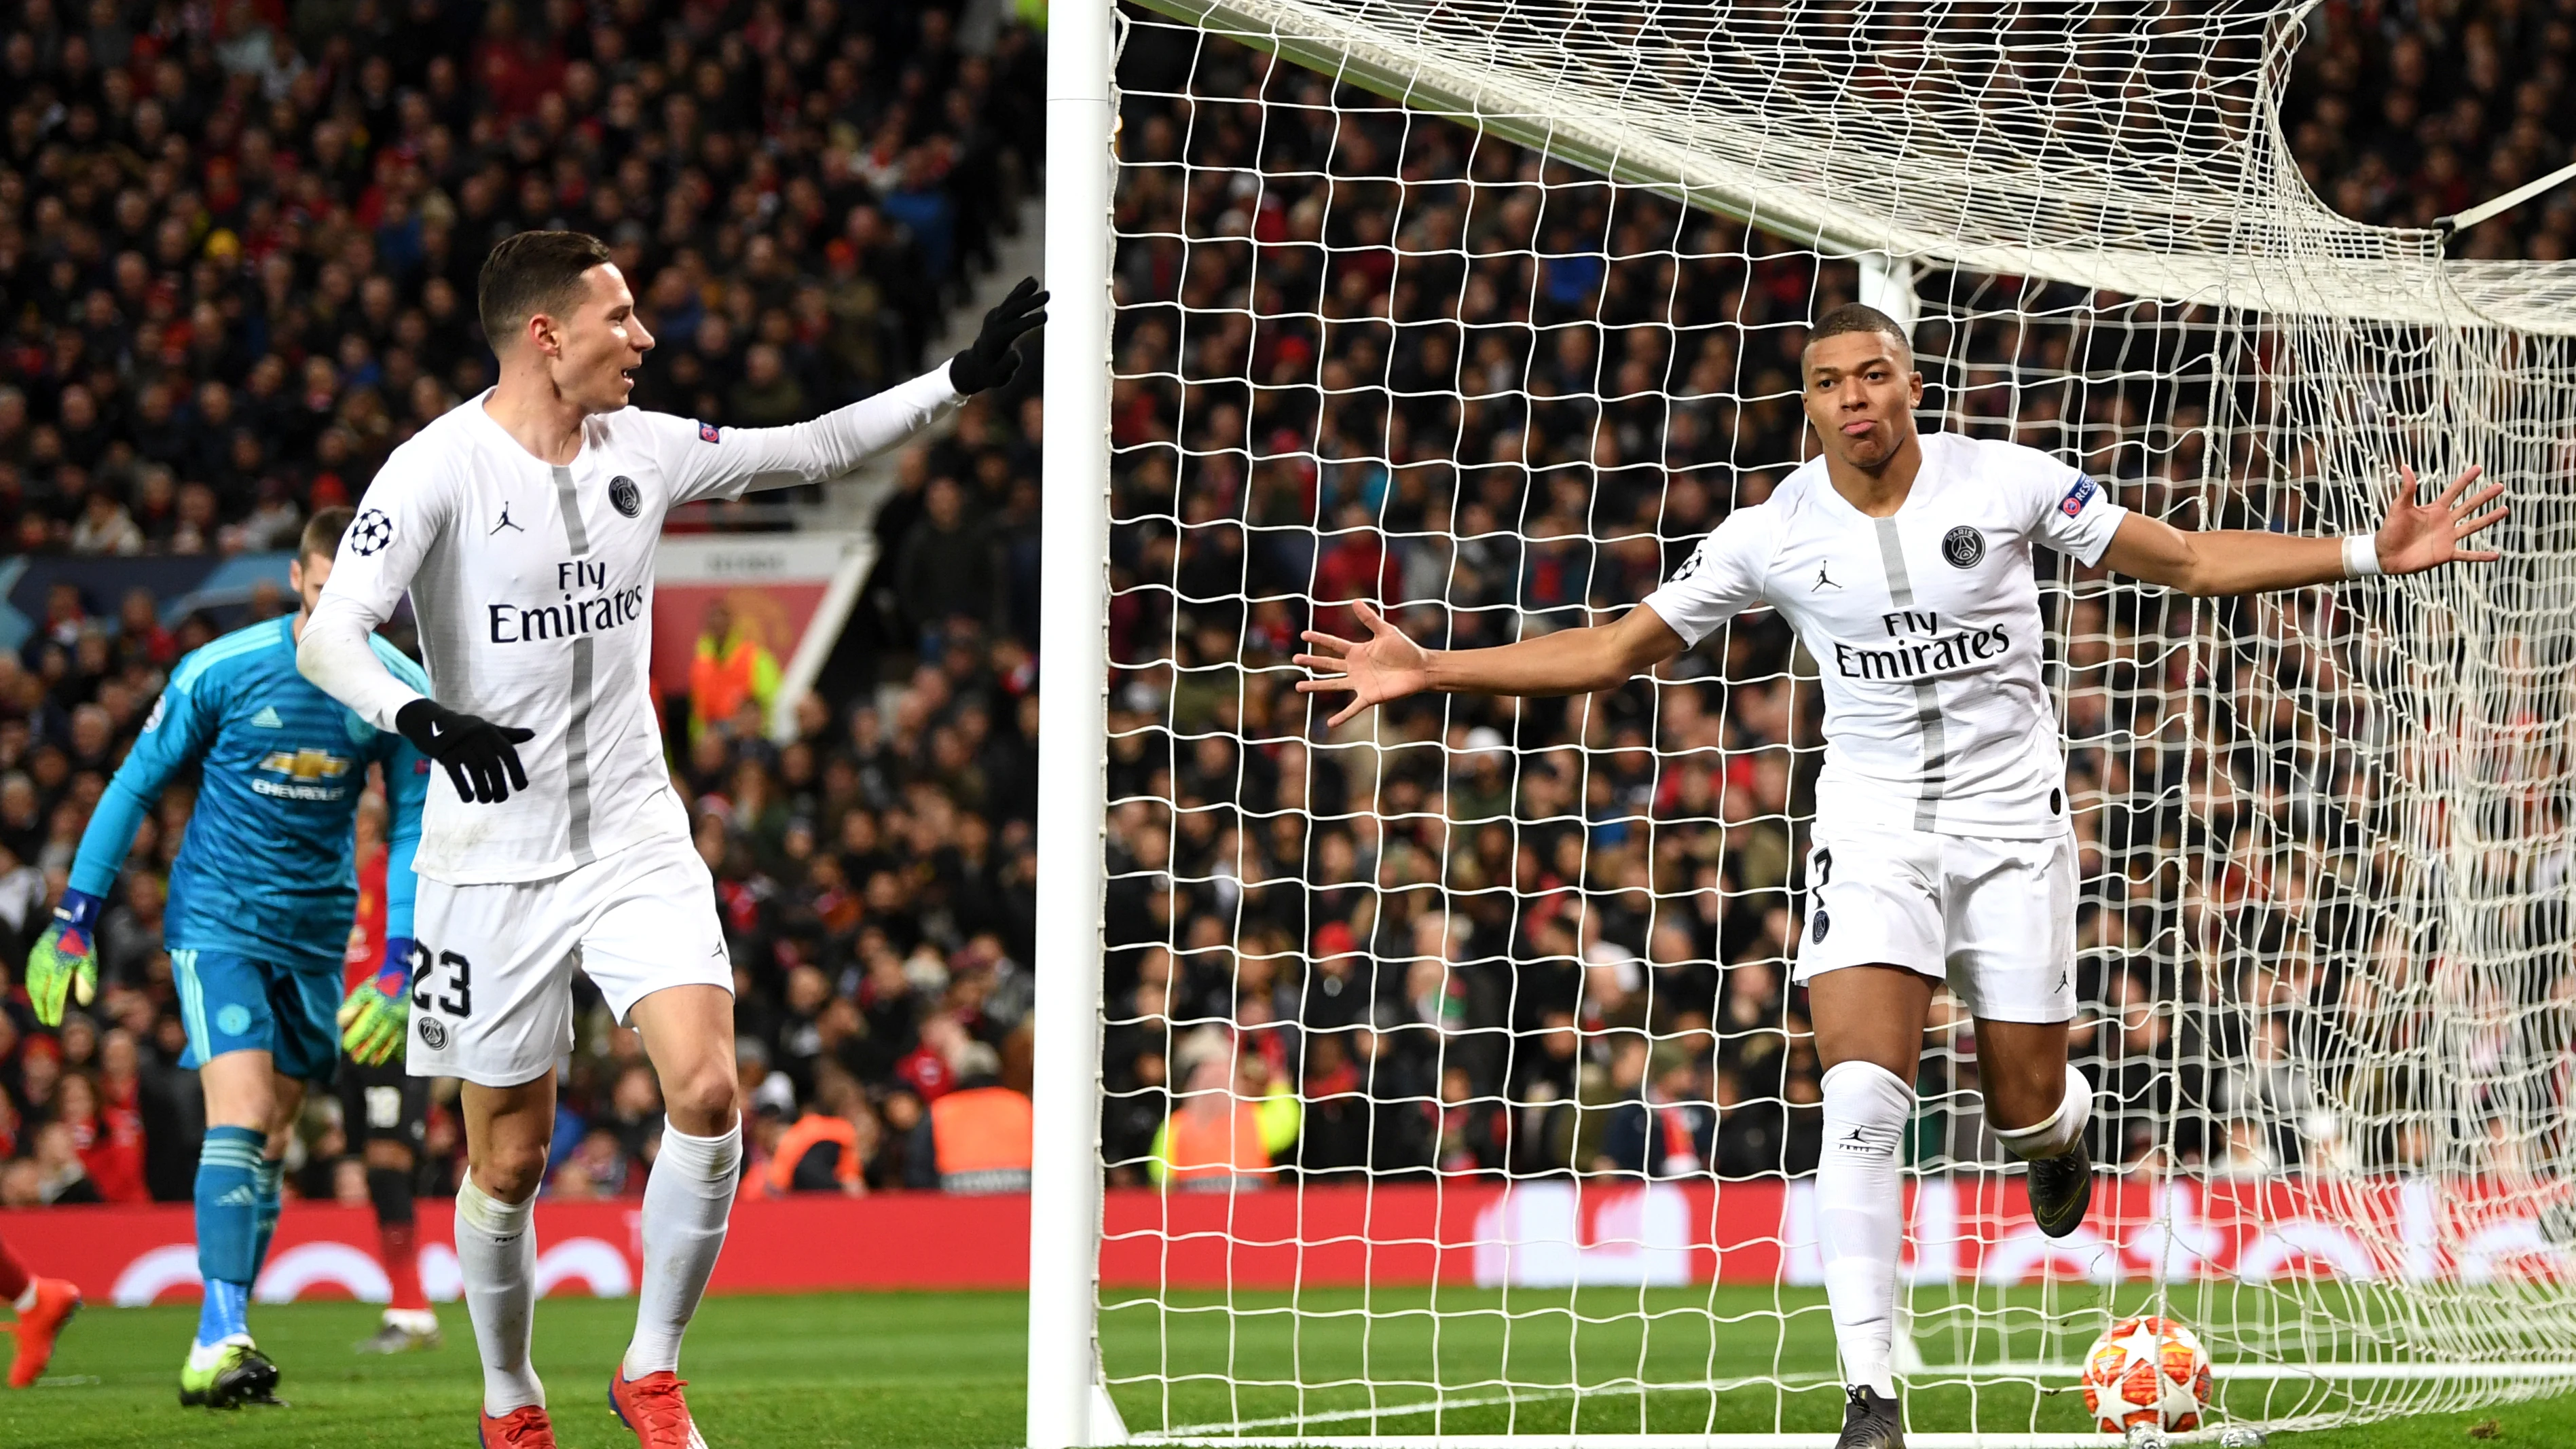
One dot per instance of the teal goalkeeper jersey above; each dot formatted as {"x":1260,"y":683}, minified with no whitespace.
{"x":268,"y":869}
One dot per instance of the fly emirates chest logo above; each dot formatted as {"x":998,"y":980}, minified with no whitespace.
{"x":1919,"y":646}
{"x":586,"y":606}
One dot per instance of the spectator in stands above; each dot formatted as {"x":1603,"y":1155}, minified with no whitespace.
{"x":61,"y":1178}
{"x":829,"y":1148}
{"x":946,"y":573}
{"x":731,"y":670}
{"x":1669,"y":1128}
{"x":260,"y":297}
{"x":982,"y":1135}
{"x":1229,"y":1123}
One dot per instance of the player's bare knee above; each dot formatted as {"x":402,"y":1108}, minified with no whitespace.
{"x":701,"y":1101}
{"x":510,"y":1171}
{"x":2044,"y":1121}
{"x":2025,"y":1096}
{"x":2023,"y":1073}
{"x":252,"y":1107}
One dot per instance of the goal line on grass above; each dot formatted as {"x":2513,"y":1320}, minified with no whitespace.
{"x":1245,"y":1432}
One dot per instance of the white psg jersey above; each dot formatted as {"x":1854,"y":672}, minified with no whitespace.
{"x":1925,"y":625}
{"x":533,"y":587}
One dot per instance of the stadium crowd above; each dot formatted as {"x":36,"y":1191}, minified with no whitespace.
{"x":238,"y":241}
{"x":237,"y":247}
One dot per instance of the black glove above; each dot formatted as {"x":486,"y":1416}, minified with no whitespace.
{"x":482,"y":758}
{"x":992,"y":360}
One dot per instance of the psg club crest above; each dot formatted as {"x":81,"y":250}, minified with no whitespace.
{"x":624,"y":496}
{"x":369,"y":535}
{"x":1964,"y":547}
{"x":1824,"y":923}
{"x":433,"y":1033}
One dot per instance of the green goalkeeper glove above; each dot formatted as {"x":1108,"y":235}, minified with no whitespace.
{"x":63,"y":963}
{"x":377,"y":1015}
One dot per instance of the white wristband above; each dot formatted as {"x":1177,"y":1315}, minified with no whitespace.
{"x":2360,"y":555}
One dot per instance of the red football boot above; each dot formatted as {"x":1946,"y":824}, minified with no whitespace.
{"x":39,"y":1327}
{"x":653,"y":1408}
{"x":526,"y":1427}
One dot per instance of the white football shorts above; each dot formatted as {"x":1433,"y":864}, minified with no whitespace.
{"x":1995,"y":918}
{"x":491,"y":999}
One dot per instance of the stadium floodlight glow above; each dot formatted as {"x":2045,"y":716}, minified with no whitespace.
{"x":1482,"y":310}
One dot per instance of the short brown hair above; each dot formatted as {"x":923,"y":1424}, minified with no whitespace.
{"x":322,"y":532}
{"x":532,"y":272}
{"x":1858,"y":317}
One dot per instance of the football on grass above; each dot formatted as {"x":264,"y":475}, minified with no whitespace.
{"x":2148,"y":1373}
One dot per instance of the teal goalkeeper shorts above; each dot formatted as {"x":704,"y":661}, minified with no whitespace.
{"x":233,"y":1003}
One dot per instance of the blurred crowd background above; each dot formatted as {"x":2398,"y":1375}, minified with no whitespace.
{"x":238,"y":243}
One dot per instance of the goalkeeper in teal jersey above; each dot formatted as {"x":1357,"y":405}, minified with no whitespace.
{"x":261,"y":898}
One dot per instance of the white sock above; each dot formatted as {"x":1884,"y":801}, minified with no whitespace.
{"x":1860,"y":1207}
{"x":2063,"y":1129}
{"x":203,"y":1356}
{"x":496,"y":1252}
{"x":26,"y":1302}
{"x":686,"y":1203}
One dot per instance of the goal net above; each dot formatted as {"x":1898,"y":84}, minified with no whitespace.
{"x":1438,"y":1074}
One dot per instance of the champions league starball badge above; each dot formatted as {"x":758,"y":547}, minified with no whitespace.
{"x":369,"y":535}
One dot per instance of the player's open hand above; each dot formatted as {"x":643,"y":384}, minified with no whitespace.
{"x":994,"y":356}
{"x":377,"y":1015}
{"x":481,"y":758}
{"x":2420,"y":536}
{"x":1381,"y":667}
{"x":63,"y":963}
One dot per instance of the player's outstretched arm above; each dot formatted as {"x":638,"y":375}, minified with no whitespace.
{"x":709,"y":462}
{"x":2415,"y":537}
{"x":1386,"y":665}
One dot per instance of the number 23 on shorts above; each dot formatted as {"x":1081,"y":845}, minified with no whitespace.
{"x":458,"y":998}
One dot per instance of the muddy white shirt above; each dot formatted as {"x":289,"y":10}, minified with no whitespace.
{"x":533,"y":587}
{"x":1926,"y":626}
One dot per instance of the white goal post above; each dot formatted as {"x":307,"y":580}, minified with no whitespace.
{"x":1482,"y":311}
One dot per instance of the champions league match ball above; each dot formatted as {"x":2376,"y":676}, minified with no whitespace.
{"x":2146,"y":1377}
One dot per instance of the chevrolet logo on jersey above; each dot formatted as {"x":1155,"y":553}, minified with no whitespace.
{"x":303,"y":770}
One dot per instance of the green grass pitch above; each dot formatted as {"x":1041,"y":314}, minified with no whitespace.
{"x":946,"y":1369}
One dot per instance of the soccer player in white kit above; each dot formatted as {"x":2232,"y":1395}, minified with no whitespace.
{"x":523,"y":523}
{"x":1942,"y":849}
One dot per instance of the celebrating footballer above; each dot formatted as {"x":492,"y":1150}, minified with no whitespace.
{"x":1942,"y":847}
{"x":523,"y":526}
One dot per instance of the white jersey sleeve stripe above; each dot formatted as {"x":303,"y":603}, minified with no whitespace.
{"x":1928,"y":718}
{"x":568,"y":498}
{"x":584,"y":665}
{"x":577,"y":751}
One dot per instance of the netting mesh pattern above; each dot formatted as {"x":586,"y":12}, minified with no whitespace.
{"x":2129,"y":144}
{"x":1456,"y":1043}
